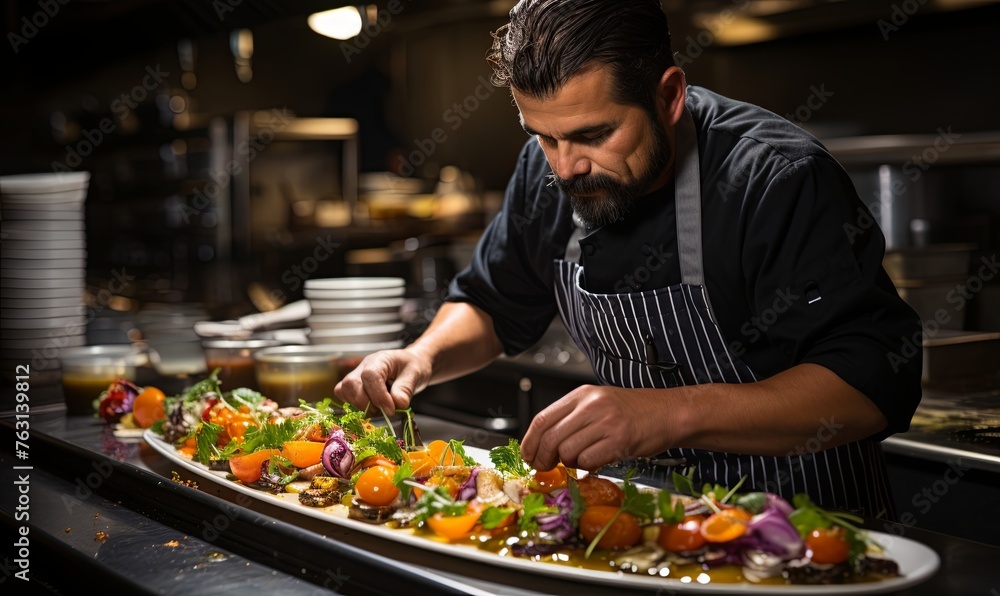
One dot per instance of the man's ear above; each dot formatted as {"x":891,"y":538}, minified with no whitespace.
{"x":670,"y":94}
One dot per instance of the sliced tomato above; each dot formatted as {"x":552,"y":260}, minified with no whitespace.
{"x":248,"y":467}
{"x":303,"y":454}
{"x":454,"y":527}
{"x":682,"y":537}
{"x":828,"y":546}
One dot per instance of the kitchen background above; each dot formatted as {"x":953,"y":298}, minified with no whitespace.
{"x":235,"y":152}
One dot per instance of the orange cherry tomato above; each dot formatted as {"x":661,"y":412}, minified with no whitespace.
{"x":682,"y":537}
{"x":375,"y":486}
{"x":443,"y":454}
{"x":421,"y":462}
{"x":623,"y":532}
{"x":600,"y":491}
{"x":454,"y":527}
{"x":147,"y":408}
{"x":248,"y":467}
{"x":726,"y":525}
{"x":546,"y":481}
{"x":828,"y":546}
{"x":375,"y":460}
{"x":303,"y":454}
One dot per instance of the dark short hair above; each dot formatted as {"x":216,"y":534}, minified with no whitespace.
{"x":548,"y":41}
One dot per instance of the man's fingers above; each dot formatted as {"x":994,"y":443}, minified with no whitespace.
{"x":403,"y":388}
{"x":374,"y":382}
{"x":544,"y":421}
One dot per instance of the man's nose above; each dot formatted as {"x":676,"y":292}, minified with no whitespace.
{"x":570,"y":162}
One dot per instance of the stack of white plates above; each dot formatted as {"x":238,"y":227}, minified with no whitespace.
{"x":355,"y":314}
{"x":42,"y":269}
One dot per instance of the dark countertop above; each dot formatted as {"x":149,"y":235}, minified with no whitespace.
{"x":163,"y":537}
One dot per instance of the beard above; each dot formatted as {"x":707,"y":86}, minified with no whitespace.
{"x":596,"y":210}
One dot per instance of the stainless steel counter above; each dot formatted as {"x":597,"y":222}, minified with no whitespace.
{"x":109,"y":509}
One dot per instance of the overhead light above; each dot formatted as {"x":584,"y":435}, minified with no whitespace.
{"x":339,"y":23}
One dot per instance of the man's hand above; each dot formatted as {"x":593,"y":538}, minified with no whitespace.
{"x":386,"y":380}
{"x":593,"y":426}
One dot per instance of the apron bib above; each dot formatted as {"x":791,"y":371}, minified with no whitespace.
{"x":668,"y":337}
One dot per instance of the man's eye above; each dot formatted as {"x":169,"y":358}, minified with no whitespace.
{"x":596,"y":138}
{"x":544,"y":140}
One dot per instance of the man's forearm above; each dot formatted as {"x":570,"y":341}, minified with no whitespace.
{"x":459,"y":340}
{"x":792,"y":412}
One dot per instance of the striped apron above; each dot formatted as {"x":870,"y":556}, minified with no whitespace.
{"x":668,"y":337}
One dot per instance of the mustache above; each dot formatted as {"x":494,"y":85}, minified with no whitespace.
{"x":584,"y":185}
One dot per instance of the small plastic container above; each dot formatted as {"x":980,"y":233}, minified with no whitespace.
{"x":89,"y":370}
{"x":287,"y":374}
{"x":234,"y":359}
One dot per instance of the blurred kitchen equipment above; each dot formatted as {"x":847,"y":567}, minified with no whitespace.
{"x":169,"y":330}
{"x":234,"y":359}
{"x":933,"y":261}
{"x":934,"y":300}
{"x":88,"y":370}
{"x":42,"y":271}
{"x":962,"y":360}
{"x":287,"y":374}
{"x":291,"y":316}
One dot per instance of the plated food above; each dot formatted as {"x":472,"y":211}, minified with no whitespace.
{"x":333,"y":461}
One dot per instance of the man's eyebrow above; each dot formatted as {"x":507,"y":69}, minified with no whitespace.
{"x":582,"y":131}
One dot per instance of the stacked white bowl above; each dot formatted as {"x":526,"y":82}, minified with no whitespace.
{"x":355,"y":314}
{"x":43,"y":266}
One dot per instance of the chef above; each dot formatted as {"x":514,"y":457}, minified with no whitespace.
{"x":708,"y":256}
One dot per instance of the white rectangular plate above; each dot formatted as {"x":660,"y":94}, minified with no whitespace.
{"x":916,"y":561}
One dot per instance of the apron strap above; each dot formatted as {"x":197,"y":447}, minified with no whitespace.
{"x":687,"y":199}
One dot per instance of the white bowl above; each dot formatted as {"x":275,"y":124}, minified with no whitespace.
{"x":9,"y":234}
{"x":42,"y":262}
{"x":42,"y":313}
{"x":46,"y":200}
{"x":363,"y":319}
{"x":43,"y":182}
{"x":51,"y":274}
{"x":41,"y":253}
{"x":52,"y":322}
{"x":361,"y":349}
{"x":41,"y":284}
{"x":333,"y":307}
{"x":354,"y":283}
{"x":372,"y":334}
{"x":39,"y":293}
{"x":29,"y":225}
{"x":11,"y":214}
{"x":56,"y":339}
{"x":29,"y":303}
{"x":374,"y":293}
{"x":18,"y":244}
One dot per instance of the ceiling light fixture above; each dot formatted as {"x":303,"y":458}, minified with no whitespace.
{"x":339,"y":23}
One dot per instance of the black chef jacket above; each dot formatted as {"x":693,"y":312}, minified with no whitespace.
{"x":793,"y":265}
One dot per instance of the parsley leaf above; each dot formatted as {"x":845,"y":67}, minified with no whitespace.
{"x":244,"y":396}
{"x":493,"y":516}
{"x":403,"y":473}
{"x":639,"y":503}
{"x":671,"y":514}
{"x":206,"y":436}
{"x":437,"y":500}
{"x":267,"y":436}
